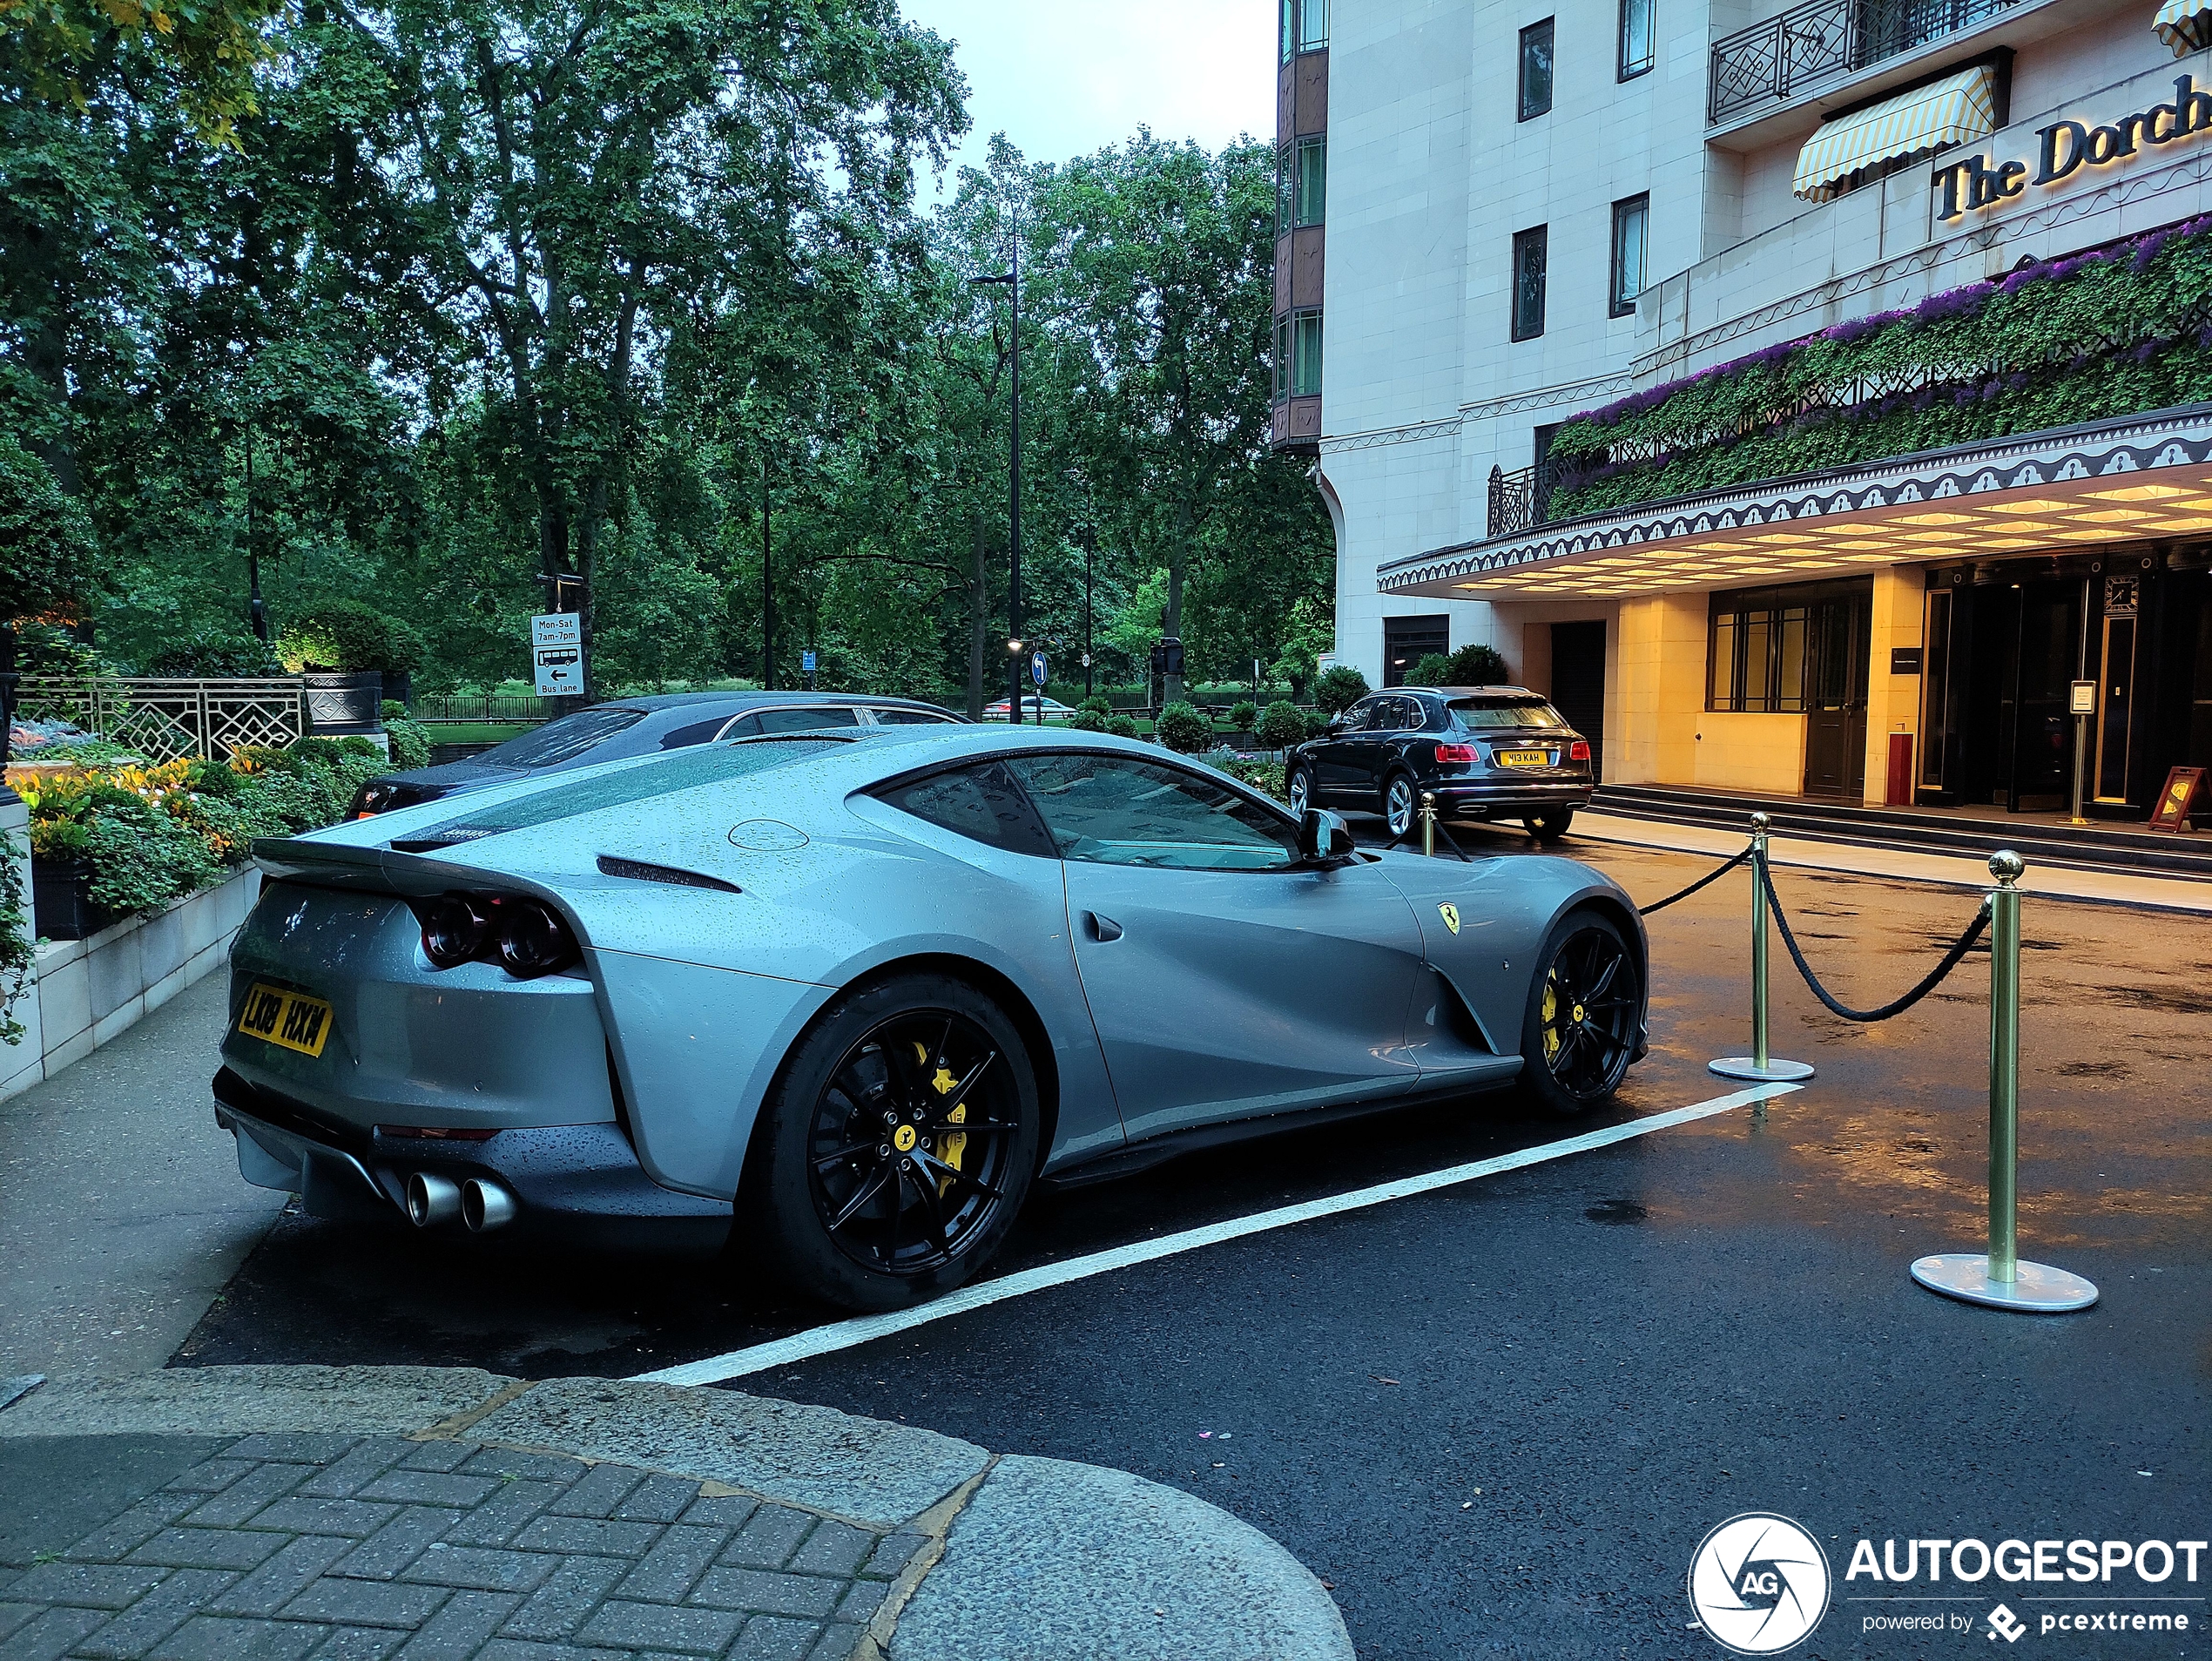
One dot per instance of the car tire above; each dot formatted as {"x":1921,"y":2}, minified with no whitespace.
{"x":1298,"y":790}
{"x":1401,"y":803}
{"x":1578,"y":1029}
{"x":811,"y":1159}
{"x":1549,"y":827}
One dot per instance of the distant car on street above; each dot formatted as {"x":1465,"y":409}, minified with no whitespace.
{"x":1486,"y":752}
{"x":629,"y":726}
{"x":849,"y":992}
{"x":1034,"y":708}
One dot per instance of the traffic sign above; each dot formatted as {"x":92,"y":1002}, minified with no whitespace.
{"x":1038,"y":668}
{"x":806,"y":662}
{"x":556,"y":654}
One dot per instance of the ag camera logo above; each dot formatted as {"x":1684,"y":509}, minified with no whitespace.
{"x":1759,"y":1584}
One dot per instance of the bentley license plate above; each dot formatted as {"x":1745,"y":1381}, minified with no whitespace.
{"x":1524,"y":759}
{"x":291,"y":1019}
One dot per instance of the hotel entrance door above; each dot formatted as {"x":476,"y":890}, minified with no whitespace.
{"x":1838,"y":635}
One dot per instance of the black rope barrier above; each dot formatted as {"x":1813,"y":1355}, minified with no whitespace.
{"x":1710,"y":877}
{"x":1952,"y":959}
{"x":1452,"y":844}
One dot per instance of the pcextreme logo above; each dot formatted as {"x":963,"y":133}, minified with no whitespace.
{"x":1759,"y":1584}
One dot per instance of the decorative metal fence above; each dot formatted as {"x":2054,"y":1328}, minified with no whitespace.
{"x":447,"y":708}
{"x":165,"y":719}
{"x":1520,"y":500}
{"x":1790,"y":53}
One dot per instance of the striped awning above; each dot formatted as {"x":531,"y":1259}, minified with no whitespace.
{"x":2186,"y":25}
{"x":1955,"y":110}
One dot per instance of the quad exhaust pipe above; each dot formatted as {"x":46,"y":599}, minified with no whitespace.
{"x":480,"y":1204}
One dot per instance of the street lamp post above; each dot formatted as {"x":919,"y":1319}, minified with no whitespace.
{"x":1011,"y":281}
{"x":257,"y":615}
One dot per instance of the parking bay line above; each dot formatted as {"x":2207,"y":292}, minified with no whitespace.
{"x":863,"y":1329}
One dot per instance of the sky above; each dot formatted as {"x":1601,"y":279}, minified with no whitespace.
{"x":1061,"y":79}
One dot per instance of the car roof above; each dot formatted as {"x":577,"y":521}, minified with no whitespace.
{"x":740,"y":699}
{"x":1471,"y":691}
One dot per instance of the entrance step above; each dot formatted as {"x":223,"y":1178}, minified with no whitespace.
{"x":2092,"y":847}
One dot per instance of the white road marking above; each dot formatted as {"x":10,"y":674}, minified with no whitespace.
{"x":863,"y":1329}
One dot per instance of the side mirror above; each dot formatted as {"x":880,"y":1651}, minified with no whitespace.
{"x":1323,"y":837}
{"x":1335,"y":725}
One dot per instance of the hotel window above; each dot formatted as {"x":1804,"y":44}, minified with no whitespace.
{"x":1635,"y":37}
{"x":1282,"y":359}
{"x":1631,"y":221}
{"x":1535,"y":69}
{"x":1313,"y":25}
{"x":1757,"y":657}
{"x":1528,"y":248}
{"x":1312,"y":186}
{"x":1289,"y":29}
{"x":1285,"y":169}
{"x":1301,"y":335}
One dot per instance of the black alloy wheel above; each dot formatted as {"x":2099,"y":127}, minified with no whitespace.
{"x":1584,"y":1006}
{"x":901,"y":1140}
{"x":1550,"y":827}
{"x":1399,"y":803}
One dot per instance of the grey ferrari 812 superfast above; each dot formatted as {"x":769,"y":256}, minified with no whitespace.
{"x":841,"y":997}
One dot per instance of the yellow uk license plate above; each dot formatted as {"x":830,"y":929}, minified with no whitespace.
{"x":1524,"y":759}
{"x":292,"y":1019}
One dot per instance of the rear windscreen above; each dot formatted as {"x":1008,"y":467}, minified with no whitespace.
{"x":684,"y":770}
{"x":564,"y":740}
{"x":1479,"y":714}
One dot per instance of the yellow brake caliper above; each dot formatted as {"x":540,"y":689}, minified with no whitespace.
{"x":1551,"y":1018}
{"x":955,"y":1142}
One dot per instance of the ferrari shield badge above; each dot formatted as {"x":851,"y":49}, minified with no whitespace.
{"x":1451,"y":915}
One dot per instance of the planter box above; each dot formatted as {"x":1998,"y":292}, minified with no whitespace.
{"x":88,"y":990}
{"x":61,"y":899}
{"x":338,"y":705}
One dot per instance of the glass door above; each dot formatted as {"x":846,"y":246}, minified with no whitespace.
{"x":2116,"y":688}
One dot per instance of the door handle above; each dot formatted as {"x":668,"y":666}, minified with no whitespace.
{"x":1102,"y":927}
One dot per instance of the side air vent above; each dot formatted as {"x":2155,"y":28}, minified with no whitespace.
{"x":639,"y":871}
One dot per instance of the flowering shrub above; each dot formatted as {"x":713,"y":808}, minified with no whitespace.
{"x":154,"y":834}
{"x":2116,"y":331}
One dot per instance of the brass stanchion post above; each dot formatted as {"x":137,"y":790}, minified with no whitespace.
{"x":1428,"y":823}
{"x":1759,"y":1066}
{"x":1998,"y":1278}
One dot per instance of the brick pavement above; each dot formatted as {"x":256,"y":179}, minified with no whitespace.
{"x":331,"y":1548}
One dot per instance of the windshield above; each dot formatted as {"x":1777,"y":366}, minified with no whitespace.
{"x":682,"y":770}
{"x":564,"y":740}
{"x":1480,"y":715}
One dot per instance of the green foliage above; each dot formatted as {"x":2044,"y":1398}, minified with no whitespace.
{"x":47,"y":547}
{"x":1432,"y":669}
{"x":213,"y":654}
{"x":1181,"y":727}
{"x":1242,"y":714}
{"x":1086,"y":719}
{"x":347,"y":635}
{"x":17,"y":951}
{"x":1339,"y":687}
{"x":1256,"y":771}
{"x":1098,"y":704}
{"x":1122,"y":727}
{"x":2083,"y":339}
{"x":1282,"y":725}
{"x":1317,"y":723}
{"x":143,"y":857}
{"x":42,"y":649}
{"x":410,"y":742}
{"x":206,"y":49}
{"x":1475,"y":665}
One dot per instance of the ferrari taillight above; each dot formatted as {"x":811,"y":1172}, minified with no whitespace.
{"x":1455,"y":753}
{"x":1579,"y":751}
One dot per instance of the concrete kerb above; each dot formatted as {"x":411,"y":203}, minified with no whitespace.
{"x":1044,"y":1555}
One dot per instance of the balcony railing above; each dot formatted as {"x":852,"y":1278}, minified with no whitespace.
{"x":1520,"y":500}
{"x":1823,"y":39}
{"x":168,"y":720}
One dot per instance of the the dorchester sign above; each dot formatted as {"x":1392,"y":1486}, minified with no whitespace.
{"x":2065,"y":148}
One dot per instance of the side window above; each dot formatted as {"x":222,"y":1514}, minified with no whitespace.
{"x":745,"y":726}
{"x":806,"y":720}
{"x":1393,"y":715}
{"x":908,"y":717}
{"x":1374,"y":715}
{"x":683,"y":737}
{"x":1109,"y":811}
{"x":984,"y":802}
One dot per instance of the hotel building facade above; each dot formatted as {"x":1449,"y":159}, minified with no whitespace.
{"x":1810,"y":399}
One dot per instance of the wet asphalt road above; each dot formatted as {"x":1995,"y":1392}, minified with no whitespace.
{"x":1499,"y":1418}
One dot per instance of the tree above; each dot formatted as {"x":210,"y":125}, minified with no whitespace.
{"x":58,"y":48}
{"x":1339,"y":687}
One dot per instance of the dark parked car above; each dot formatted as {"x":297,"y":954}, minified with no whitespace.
{"x":629,"y":726}
{"x":1487,"y":752}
